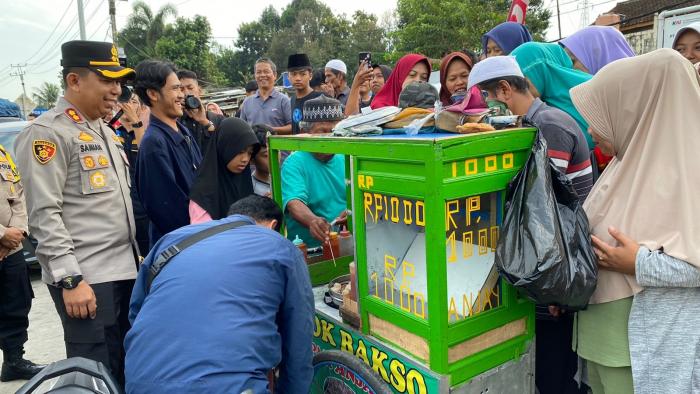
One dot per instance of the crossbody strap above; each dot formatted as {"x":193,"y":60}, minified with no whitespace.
{"x":173,"y":250}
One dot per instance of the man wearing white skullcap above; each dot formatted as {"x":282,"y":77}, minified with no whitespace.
{"x":500,"y":79}
{"x":336,"y":76}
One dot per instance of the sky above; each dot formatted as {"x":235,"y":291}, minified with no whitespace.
{"x":31,"y":32}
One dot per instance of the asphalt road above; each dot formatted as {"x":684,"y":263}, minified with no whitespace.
{"x":45,"y":343}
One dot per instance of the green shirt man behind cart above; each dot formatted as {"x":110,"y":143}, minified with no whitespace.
{"x":313,"y":184}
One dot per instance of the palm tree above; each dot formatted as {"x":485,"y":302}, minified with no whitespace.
{"x":46,"y":95}
{"x":143,"y":29}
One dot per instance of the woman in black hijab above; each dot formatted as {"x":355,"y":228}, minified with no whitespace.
{"x":224,"y":176}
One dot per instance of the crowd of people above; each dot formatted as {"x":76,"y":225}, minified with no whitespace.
{"x":175,"y":182}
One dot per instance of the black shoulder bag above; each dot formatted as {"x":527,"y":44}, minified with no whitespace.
{"x":173,"y":250}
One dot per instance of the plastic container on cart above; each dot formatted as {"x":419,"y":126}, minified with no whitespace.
{"x":331,"y":249}
{"x":299,"y":243}
{"x":346,"y":242}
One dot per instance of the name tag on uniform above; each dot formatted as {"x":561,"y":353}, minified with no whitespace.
{"x":6,"y":172}
{"x":90,"y":148}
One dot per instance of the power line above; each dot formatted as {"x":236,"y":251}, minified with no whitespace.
{"x":137,"y":48}
{"x":593,"y":5}
{"x":74,"y":36}
{"x":98,"y":28}
{"x":56,"y":47}
{"x":95,"y":10}
{"x":51,"y":55}
{"x":52,"y":48}
{"x":628,"y":20}
{"x":554,"y":6}
{"x":51,"y":34}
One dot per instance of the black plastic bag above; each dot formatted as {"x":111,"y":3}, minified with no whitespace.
{"x":545,"y":246}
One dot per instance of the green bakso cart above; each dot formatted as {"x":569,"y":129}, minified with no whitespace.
{"x":434,"y":316}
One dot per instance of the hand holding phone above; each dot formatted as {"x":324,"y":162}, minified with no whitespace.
{"x":366,"y":57}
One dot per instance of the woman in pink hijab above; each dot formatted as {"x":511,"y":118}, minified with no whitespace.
{"x":454,"y":75}
{"x":410,"y":68}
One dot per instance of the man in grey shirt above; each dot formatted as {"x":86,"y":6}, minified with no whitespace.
{"x":268,"y":106}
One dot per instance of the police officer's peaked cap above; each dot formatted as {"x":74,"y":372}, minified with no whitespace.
{"x":100,"y":57}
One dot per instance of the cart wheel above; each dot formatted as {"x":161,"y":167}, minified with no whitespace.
{"x":337,"y":372}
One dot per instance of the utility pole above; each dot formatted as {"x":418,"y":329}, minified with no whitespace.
{"x":81,"y":19}
{"x":20,"y":73}
{"x":113,"y":19}
{"x":559,"y":19}
{"x":584,"y":14}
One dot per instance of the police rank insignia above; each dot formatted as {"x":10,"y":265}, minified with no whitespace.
{"x":115,"y":54}
{"x":73,"y":114}
{"x":85,"y":137}
{"x":44,"y":150}
{"x":98,"y":180}
{"x":89,"y":162}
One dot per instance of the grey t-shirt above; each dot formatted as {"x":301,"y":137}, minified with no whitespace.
{"x":343,"y":96}
{"x":275,"y":111}
{"x":261,"y":188}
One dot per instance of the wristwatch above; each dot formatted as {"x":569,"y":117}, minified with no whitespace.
{"x":137,"y":124}
{"x":70,"y":282}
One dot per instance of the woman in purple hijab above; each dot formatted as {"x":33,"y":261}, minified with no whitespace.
{"x":502,"y":39}
{"x":593,"y":47}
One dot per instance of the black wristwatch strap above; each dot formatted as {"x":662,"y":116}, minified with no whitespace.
{"x":137,"y":124}
{"x":70,"y":282}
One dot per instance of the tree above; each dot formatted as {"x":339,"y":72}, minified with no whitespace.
{"x":437,"y":27}
{"x":310,"y":26}
{"x":143,"y":30}
{"x":186,"y":43}
{"x":366,"y":35}
{"x":304,"y":26}
{"x":46,"y":95}
{"x":233,"y":66}
{"x":254,"y":38}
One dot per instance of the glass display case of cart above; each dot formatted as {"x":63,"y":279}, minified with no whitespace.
{"x":426,"y":216}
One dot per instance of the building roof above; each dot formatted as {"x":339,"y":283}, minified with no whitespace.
{"x":641,"y":12}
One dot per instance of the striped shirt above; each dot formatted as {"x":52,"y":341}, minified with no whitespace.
{"x":566,"y":145}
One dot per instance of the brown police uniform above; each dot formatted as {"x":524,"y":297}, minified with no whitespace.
{"x":78,"y":194}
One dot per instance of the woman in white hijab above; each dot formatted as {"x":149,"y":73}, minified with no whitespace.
{"x":687,"y":42}
{"x":645,"y":222}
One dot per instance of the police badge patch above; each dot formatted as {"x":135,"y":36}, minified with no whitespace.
{"x":44,"y":150}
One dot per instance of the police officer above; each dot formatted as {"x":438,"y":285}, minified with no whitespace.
{"x":77,"y":181}
{"x":15,"y":289}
